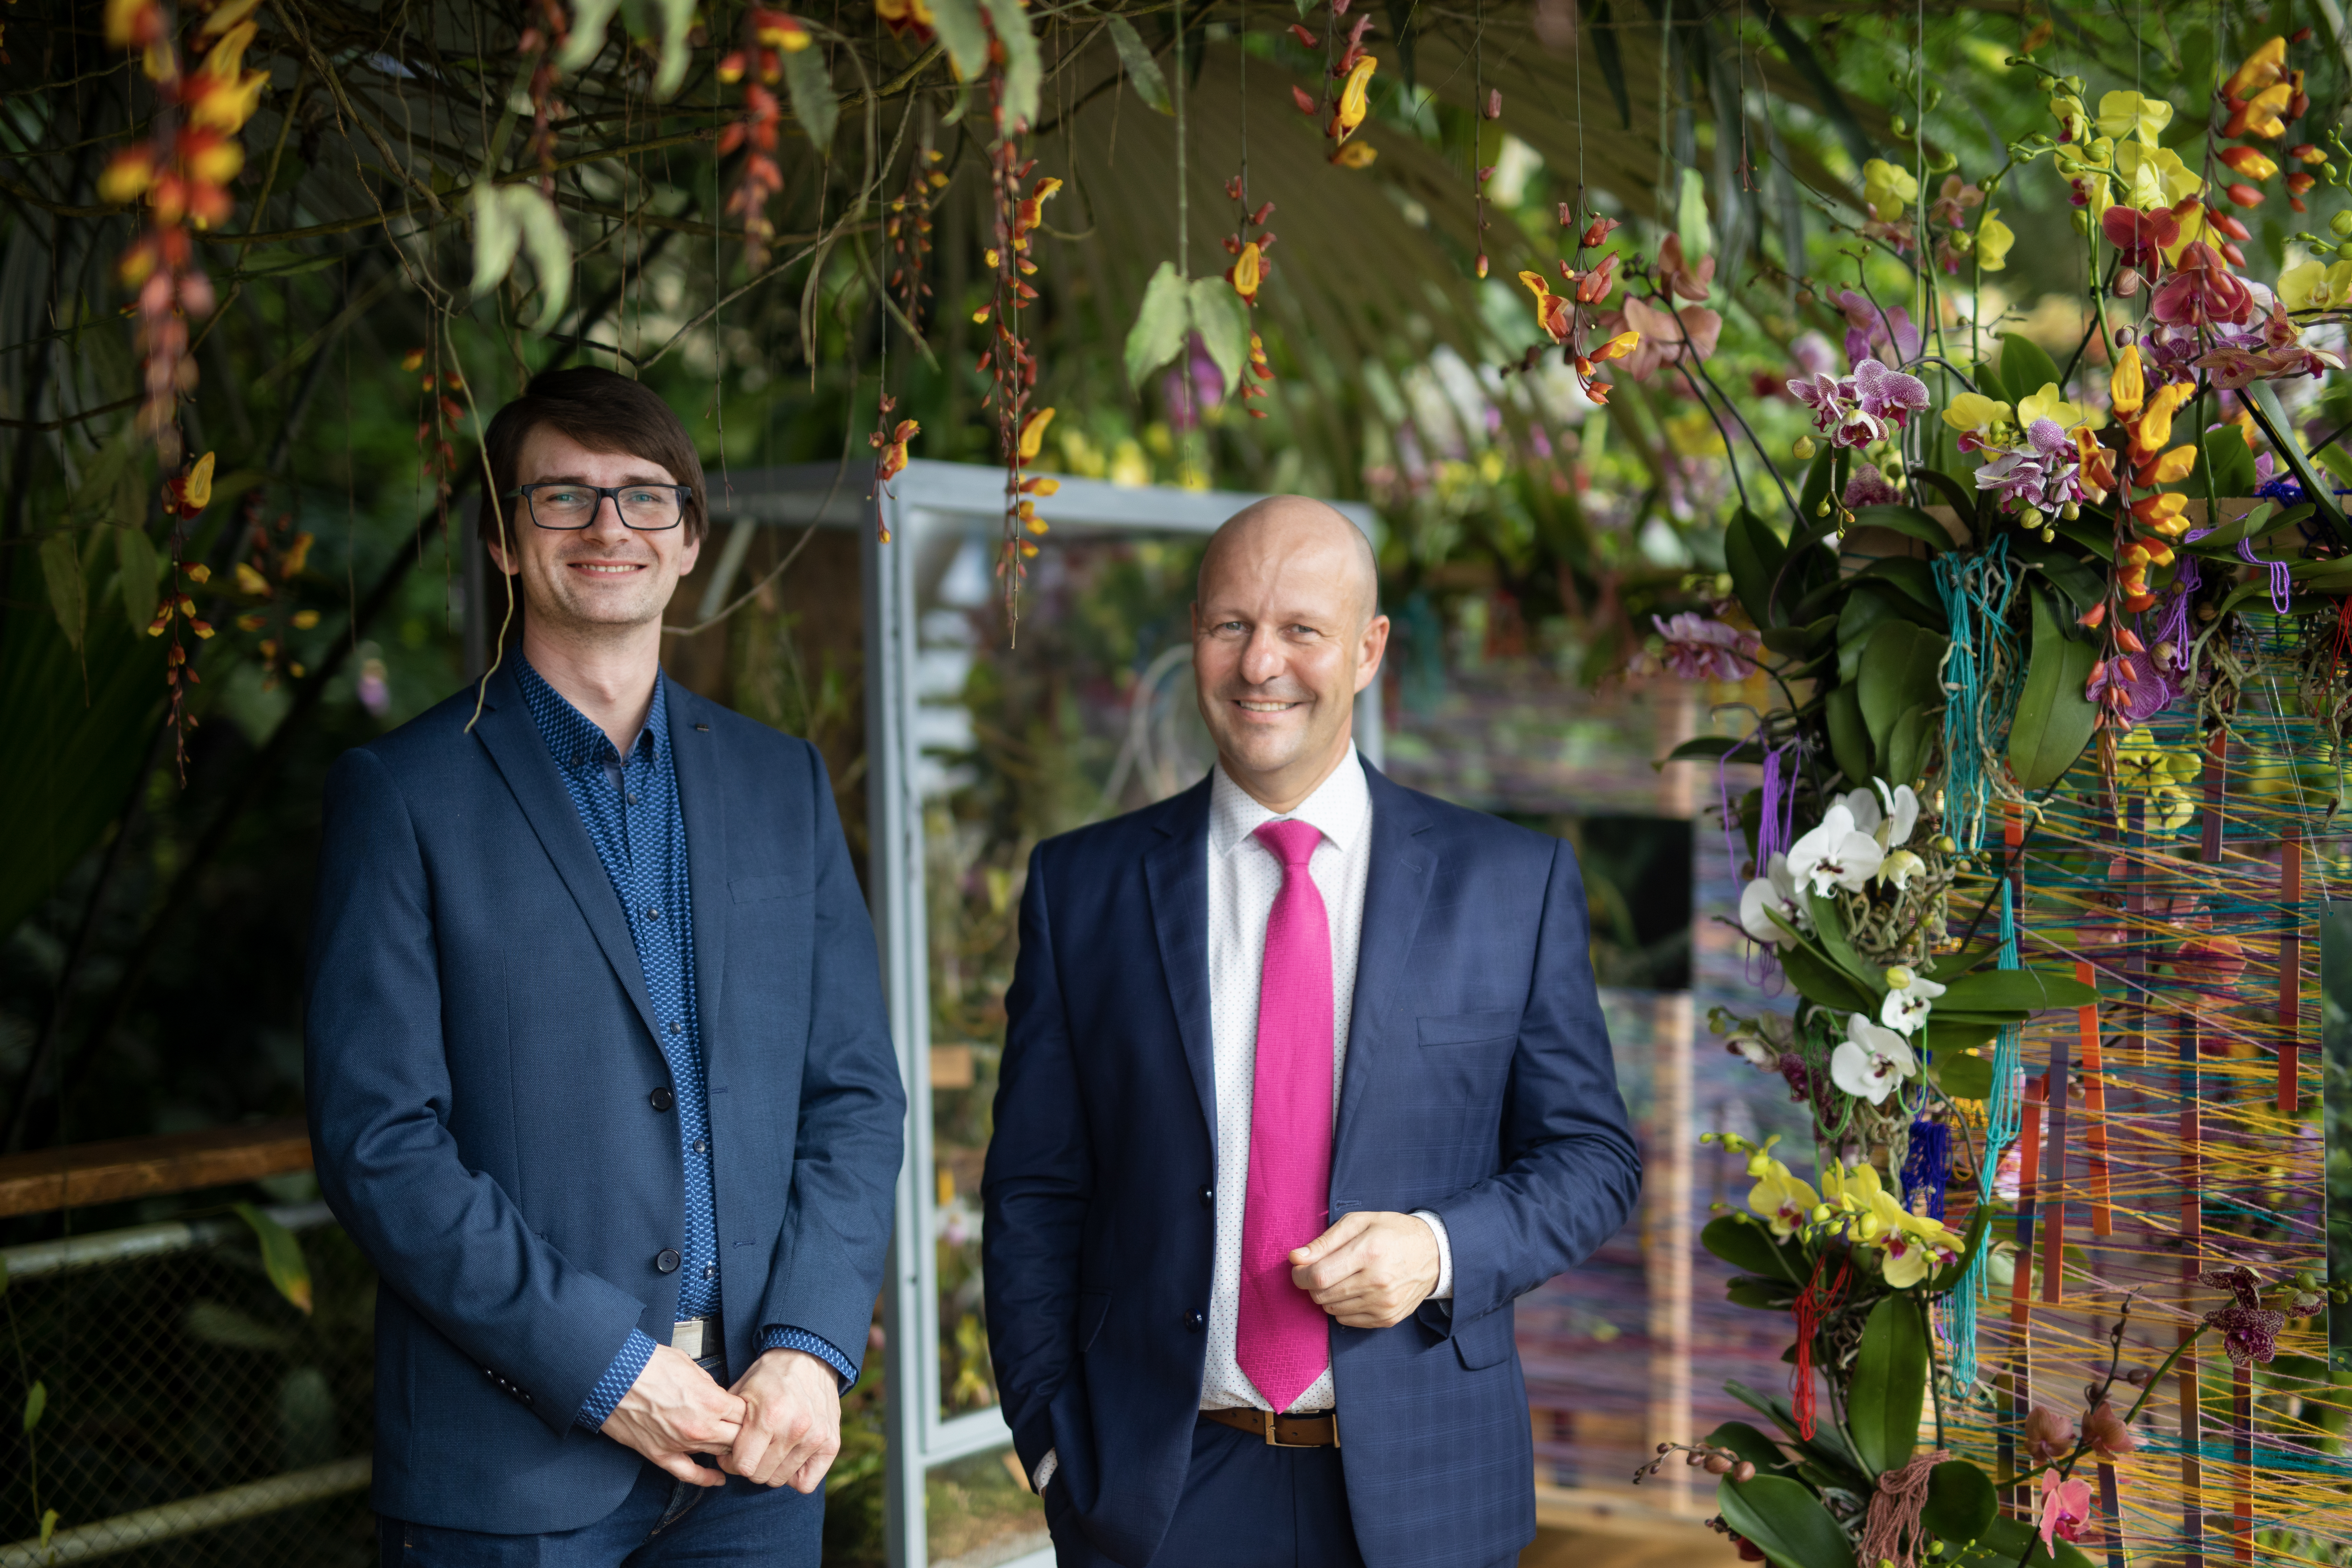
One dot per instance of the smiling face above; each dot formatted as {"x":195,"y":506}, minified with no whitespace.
{"x":1284,"y":636}
{"x":605,"y":578}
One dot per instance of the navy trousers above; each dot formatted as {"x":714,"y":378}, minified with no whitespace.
{"x":664,"y":1522}
{"x":1245,"y":1505}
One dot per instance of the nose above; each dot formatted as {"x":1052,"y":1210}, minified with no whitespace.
{"x":605,"y":522}
{"x":1262,"y":658}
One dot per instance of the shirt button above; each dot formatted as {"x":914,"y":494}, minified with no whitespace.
{"x":675,"y":1027}
{"x":661,"y":1098}
{"x":633,"y":800}
{"x":702,"y":1145}
{"x":666,"y":1260}
{"x":1194,"y":1321}
{"x":710,"y":1271}
{"x":652,"y":913}
{"x":1208,"y":1197}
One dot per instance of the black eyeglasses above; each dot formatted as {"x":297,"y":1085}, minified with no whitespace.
{"x":648,"y":508}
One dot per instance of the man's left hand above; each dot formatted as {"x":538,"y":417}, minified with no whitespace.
{"x":1369,"y":1270}
{"x":791,"y":1421}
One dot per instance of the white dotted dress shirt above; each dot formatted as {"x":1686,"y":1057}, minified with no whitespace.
{"x":1245,"y":876}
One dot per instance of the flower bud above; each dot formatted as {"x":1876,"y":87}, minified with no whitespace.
{"x":1804,"y":449}
{"x":2342,"y":224}
{"x":2049,"y":536}
{"x":1899,"y":977}
{"x":1743,"y":1471}
{"x":1717,"y":1465}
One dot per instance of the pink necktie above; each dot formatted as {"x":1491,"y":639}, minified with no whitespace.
{"x":1282,"y":1339}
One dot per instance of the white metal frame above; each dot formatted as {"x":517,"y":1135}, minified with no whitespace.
{"x":926,"y":498}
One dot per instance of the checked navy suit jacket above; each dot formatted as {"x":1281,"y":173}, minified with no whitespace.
{"x":491,"y":1116}
{"x":1478,"y":1084}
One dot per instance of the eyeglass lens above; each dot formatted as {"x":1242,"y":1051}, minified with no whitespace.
{"x":564,"y":505}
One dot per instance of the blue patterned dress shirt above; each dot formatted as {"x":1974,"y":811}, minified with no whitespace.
{"x":630,"y":807}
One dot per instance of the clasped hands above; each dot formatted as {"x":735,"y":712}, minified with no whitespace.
{"x":1368,"y":1270}
{"x":779,"y":1425}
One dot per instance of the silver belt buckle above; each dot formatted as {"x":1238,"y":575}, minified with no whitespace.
{"x":696,"y":1337}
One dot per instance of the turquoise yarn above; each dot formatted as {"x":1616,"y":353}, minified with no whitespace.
{"x":2003,"y":1114}
{"x":1975,"y":591}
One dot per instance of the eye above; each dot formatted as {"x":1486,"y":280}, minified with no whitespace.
{"x":646,"y":498}
{"x":564,"y":496}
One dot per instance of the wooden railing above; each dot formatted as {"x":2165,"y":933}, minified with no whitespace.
{"x":79,"y":1175}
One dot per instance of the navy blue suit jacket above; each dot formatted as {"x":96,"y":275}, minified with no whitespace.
{"x":1478,"y":1084}
{"x":481,"y":1070}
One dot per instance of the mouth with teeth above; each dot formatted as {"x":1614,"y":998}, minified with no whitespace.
{"x":607,"y":568}
{"x":1248,"y":706}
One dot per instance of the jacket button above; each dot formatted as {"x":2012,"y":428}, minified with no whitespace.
{"x":666,"y":1260}
{"x":661,"y":1098}
{"x":1208,"y":1197}
{"x":1194,"y":1321}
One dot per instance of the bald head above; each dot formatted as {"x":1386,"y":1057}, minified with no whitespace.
{"x":1301,"y":532}
{"x":1286,"y":631}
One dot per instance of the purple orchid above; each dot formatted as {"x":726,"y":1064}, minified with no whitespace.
{"x":1868,"y":487}
{"x":2045,"y":473}
{"x":1698,"y":649}
{"x":2249,"y":1330}
{"x":1869,"y":328}
{"x":2140,"y":687}
{"x":1855,"y":410}
{"x":1889,"y":393}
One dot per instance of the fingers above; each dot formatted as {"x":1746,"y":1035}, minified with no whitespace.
{"x":812,"y":1474}
{"x":1348,"y":1227}
{"x":748,"y":1452}
{"x":683,"y":1467}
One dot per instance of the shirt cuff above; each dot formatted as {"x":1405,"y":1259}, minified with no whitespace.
{"x":1045,"y":1469}
{"x":777,"y":1337}
{"x":619,"y":1377}
{"x":1445,"y":1291}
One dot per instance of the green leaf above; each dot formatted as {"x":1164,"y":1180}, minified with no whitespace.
{"x":2263,"y":517}
{"x":964,"y":34}
{"x":1819,"y":476}
{"x":1135,"y":59}
{"x":2224,"y":456}
{"x":1849,"y":740}
{"x":1745,"y":1243}
{"x":1906,"y":520}
{"x":808,"y":81}
{"x":585,"y":39}
{"x":1798,"y":641}
{"x":136,"y":570}
{"x":1960,"y":1501}
{"x":1961,"y":496}
{"x":1223,"y":321}
{"x":1690,"y":217}
{"x":677,"y":18}
{"x":1827,"y":1448}
{"x":1024,"y":72}
{"x":1157,"y":335}
{"x":1902,"y":668}
{"x":68,"y":594}
{"x":1785,"y":1521}
{"x":2015,"y":1543}
{"x":2014,"y":991}
{"x":550,"y":248}
{"x":1958,"y":1074}
{"x":1829,"y":934}
{"x":2054,"y":718}
{"x":2092,"y":531}
{"x":2262,"y":399}
{"x":1709,"y":749}
{"x":281,"y":1255}
{"x":2067,"y":573}
{"x":1761,"y":1294}
{"x":48,"y":1526}
{"x":2025,"y":368}
{"x":1858,"y":621}
{"x":36,"y":1399}
{"x":1752,"y":553}
{"x":1917,"y":580}
{"x":1823,"y":982}
{"x":1607,"y":53}
{"x":1915,"y":734}
{"x":498,"y":239}
{"x":1890,"y":1383}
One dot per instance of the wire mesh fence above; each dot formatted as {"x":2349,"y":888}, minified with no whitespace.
{"x":182,"y":1410}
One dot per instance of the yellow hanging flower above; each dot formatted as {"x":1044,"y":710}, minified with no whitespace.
{"x":1356,"y":156}
{"x":1355,"y":99}
{"x":1245,"y":273}
{"x":1032,"y":434}
{"x":2155,"y":427}
{"x":1886,"y":189}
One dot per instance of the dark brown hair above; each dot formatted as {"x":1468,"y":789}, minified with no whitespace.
{"x":605,"y":412}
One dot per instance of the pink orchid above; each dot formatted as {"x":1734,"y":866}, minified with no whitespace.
{"x":2065,"y":1509}
{"x":1662,"y":336}
{"x":2142,"y":236}
{"x":1698,"y":649}
{"x":1680,"y":277}
{"x":2202,"y":291}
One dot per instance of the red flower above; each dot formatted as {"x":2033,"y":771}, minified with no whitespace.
{"x":2139,"y":235}
{"x":2202,"y":291}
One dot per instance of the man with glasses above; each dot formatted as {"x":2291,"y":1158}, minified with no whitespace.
{"x":599,"y":1072}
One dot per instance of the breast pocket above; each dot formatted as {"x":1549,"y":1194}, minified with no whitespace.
{"x":766,"y":889}
{"x":1465,"y":1056}
{"x":1470,"y":1028}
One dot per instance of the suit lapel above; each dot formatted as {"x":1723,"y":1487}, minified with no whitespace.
{"x":1177,"y":872}
{"x":694,"y":753}
{"x":1402,"y":871}
{"x":513,"y":741}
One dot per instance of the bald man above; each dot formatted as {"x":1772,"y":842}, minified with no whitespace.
{"x":1305,"y":1082}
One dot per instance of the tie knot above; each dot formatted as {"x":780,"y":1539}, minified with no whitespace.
{"x":1293,"y":842}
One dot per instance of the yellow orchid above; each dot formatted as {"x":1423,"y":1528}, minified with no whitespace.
{"x":1975,"y":411}
{"x":2155,"y":427}
{"x":1886,"y":189}
{"x":1911,"y":1246}
{"x":2050,"y":403}
{"x":1993,"y":239}
{"x":2123,"y":112}
{"x":2155,"y":176}
{"x":1355,"y":99}
{"x":2314,"y":287}
{"x":1780,"y":1198}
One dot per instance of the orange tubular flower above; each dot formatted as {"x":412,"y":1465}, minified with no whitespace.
{"x":1551,"y":309}
{"x":1032,"y":434}
{"x":1245,"y":273}
{"x":2098,"y":462}
{"x":1356,"y":156}
{"x":2262,"y":115}
{"x":2126,"y":383}
{"x":2154,"y":427}
{"x":2161,"y":513}
{"x":2169,"y":469}
{"x":1618,"y":347}
{"x":1355,"y":99}
{"x":2249,"y":161}
{"x":2265,"y":65}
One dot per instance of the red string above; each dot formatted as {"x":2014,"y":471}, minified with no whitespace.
{"x":2343,"y":641}
{"x":1813,"y":1304}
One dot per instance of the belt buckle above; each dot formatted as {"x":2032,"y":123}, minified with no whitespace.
{"x":1273,"y":1417}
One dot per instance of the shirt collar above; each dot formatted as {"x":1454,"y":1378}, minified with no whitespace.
{"x":571,"y":738}
{"x":1340,"y":808}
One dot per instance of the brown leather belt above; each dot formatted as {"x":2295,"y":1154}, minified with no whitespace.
{"x":1320,"y":1430}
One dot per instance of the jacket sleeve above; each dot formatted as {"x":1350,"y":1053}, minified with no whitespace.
{"x":831,"y":1255}
{"x":1033,"y":1190}
{"x":447,"y":1238}
{"x":1571,"y":1171}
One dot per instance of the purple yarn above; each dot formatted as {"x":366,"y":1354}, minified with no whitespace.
{"x":1776,"y":829}
{"x":2282,"y":589}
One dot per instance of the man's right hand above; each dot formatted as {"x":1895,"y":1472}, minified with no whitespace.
{"x":675,"y":1411}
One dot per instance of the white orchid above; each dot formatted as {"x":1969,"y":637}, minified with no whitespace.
{"x":1906,"y":1007}
{"x":1775,"y":891}
{"x":1902,"y":815}
{"x":1899,"y":866}
{"x":1763,"y":1039}
{"x":1871,"y":1060}
{"x":1838,"y":853}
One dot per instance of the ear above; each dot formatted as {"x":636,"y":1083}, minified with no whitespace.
{"x":1369,"y":653}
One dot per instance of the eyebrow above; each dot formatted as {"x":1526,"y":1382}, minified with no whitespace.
{"x":583,"y":479}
